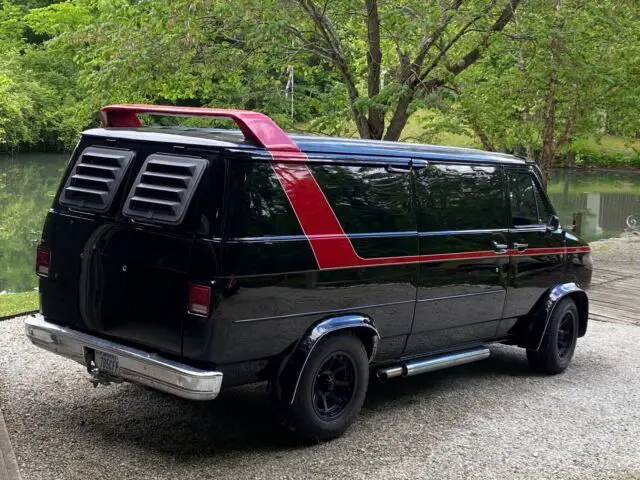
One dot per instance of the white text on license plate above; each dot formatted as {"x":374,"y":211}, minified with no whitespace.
{"x":106,"y":362}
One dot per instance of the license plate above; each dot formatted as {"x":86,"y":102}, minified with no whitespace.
{"x":106,"y":362}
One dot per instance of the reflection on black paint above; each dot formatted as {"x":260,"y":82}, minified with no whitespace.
{"x":258,"y":205}
{"x":460,"y":197}
{"x":367,"y":199}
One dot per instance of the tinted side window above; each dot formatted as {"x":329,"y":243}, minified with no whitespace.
{"x":460,"y":197}
{"x":522,"y":197}
{"x":257,"y":205}
{"x":544,"y":209}
{"x":367,"y":199}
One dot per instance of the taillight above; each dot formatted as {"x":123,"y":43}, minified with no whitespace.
{"x":43,"y":257}
{"x":199,"y":300}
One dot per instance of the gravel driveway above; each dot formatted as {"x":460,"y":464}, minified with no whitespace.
{"x":492,"y":419}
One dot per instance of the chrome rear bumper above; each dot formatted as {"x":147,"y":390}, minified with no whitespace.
{"x":134,"y":365}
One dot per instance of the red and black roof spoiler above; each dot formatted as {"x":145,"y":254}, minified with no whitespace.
{"x":256,"y":127}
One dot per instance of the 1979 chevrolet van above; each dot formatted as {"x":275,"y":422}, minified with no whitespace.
{"x":194,"y":259}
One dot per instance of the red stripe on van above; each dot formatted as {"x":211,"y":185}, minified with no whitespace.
{"x":331,"y":246}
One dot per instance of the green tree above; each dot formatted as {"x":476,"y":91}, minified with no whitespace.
{"x":415,"y":47}
{"x":562,"y":70}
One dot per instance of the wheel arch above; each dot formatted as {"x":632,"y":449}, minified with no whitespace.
{"x":292,"y":367}
{"x":541,"y":315}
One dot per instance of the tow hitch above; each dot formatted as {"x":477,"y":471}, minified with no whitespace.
{"x":98,"y":377}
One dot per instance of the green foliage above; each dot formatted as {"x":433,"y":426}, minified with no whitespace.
{"x":61,"y":61}
{"x":606,"y":152}
{"x":568,"y":66}
{"x":587,"y":158}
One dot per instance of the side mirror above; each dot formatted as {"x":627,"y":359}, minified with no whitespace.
{"x":553,"y":223}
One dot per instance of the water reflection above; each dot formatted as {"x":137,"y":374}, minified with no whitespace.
{"x":604,"y":198}
{"x":29,"y":181}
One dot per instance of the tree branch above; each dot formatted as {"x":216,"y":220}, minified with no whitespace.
{"x":430,"y":39}
{"x":473,"y":55}
{"x":420,"y":83}
{"x":445,"y":49}
{"x":328,"y":33}
{"x":310,"y":45}
{"x":374,"y":61}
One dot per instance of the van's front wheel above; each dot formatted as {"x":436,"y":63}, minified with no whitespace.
{"x":332,"y":388}
{"x":559,"y":341}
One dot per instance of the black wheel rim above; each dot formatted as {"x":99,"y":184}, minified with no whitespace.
{"x":334,"y":386}
{"x":566,"y":332}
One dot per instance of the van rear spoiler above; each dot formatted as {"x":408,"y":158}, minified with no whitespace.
{"x":256,"y":127}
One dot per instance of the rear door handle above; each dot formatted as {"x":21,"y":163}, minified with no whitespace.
{"x":520,"y":246}
{"x":500,"y":247}
{"x":405,"y":167}
{"x":398,"y":168}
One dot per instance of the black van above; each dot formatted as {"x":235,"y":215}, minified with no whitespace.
{"x":191,"y":259}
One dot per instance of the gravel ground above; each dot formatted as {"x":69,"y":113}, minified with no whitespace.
{"x":491,"y":419}
{"x":622,"y":252}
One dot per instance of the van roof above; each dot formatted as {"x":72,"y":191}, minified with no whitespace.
{"x":231,"y":138}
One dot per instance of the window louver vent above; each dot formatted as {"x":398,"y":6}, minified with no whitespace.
{"x":95,"y":178}
{"x":164,"y":188}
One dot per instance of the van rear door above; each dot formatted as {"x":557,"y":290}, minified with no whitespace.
{"x":121,"y":236}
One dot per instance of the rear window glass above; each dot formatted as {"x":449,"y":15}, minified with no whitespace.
{"x":259,"y":206}
{"x":460,"y":197}
{"x":368,"y":199}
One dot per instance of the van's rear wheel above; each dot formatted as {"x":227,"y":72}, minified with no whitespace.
{"x":332,"y":388}
{"x":559,"y":341}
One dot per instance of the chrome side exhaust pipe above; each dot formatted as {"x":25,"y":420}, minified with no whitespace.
{"x":437,"y":362}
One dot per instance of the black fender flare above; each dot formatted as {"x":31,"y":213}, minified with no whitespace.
{"x":292,"y":368}
{"x":549,"y":302}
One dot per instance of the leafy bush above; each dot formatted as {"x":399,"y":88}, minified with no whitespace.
{"x":606,"y":153}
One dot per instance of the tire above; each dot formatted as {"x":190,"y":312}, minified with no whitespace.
{"x":559,"y":341}
{"x":345,"y":356}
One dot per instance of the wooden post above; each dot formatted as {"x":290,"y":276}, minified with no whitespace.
{"x":577,"y":223}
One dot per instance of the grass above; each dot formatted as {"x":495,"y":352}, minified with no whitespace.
{"x":425,"y":127}
{"x":608,"y":144}
{"x":15,"y":303}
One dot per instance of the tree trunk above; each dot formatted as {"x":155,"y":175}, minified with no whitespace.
{"x":361,"y":123}
{"x":418,"y":79}
{"x":400,"y":117}
{"x":374,"y":62}
{"x":571,"y":158}
{"x":487,"y":144}
{"x":548,"y":151}
{"x":530,"y":151}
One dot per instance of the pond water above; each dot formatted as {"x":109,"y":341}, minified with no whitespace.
{"x":28,"y":183}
